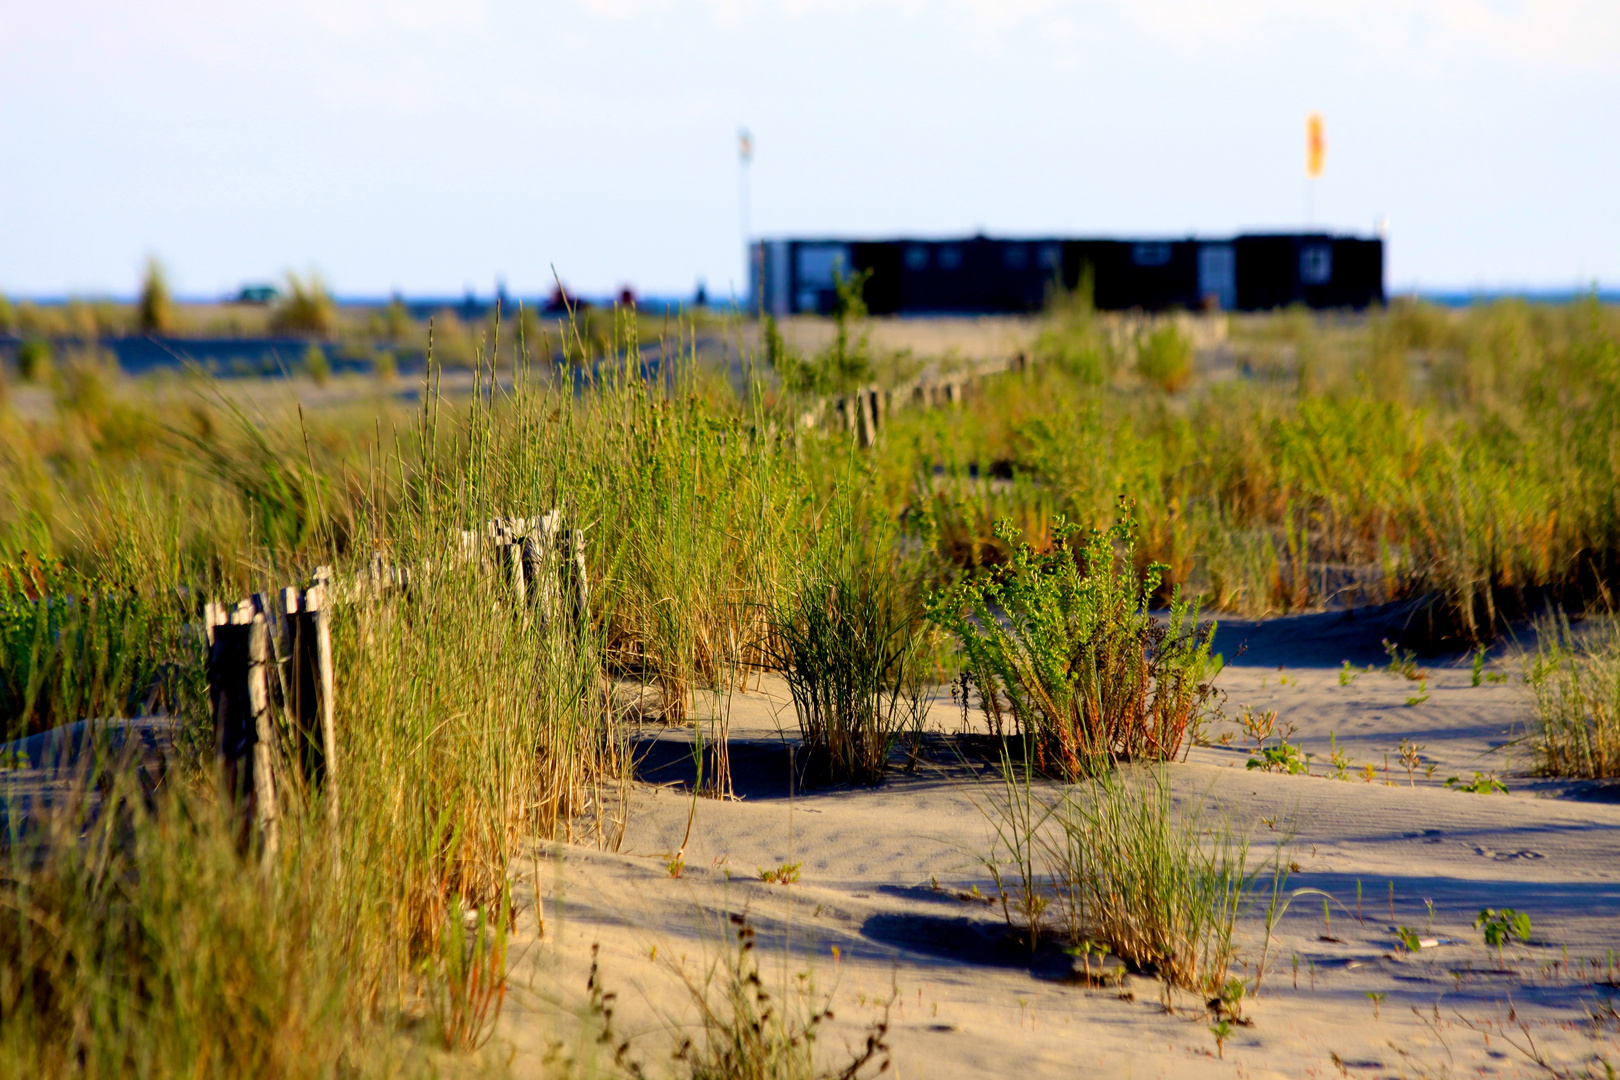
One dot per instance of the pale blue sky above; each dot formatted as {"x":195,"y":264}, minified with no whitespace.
{"x":431,"y":147}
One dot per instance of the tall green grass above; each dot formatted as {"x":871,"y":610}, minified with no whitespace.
{"x":70,"y":650}
{"x":468,"y":723}
{"x":1575,"y":677}
{"x":1112,"y":864}
{"x":1465,"y":458}
{"x":850,"y":640}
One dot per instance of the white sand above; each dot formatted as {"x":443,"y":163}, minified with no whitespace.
{"x":969,"y":1003}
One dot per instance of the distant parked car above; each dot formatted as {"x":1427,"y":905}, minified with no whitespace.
{"x":257,"y":294}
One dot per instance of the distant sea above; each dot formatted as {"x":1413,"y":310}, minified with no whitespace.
{"x":1469,"y":297}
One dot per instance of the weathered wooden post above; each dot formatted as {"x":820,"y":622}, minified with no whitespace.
{"x":310,"y":701}
{"x":239,"y":691}
{"x":512,"y":561}
{"x":865,"y":419}
{"x":576,"y":581}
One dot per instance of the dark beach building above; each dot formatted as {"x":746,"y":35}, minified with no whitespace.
{"x":983,"y":275}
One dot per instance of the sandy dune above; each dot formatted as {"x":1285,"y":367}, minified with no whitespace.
{"x":868,"y":920}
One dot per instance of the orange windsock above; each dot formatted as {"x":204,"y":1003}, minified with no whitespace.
{"x":1315,"y":145}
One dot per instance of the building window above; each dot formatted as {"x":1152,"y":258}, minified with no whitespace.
{"x":817,"y":263}
{"x":1316,"y":264}
{"x":1050,"y":257}
{"x":1015,"y":256}
{"x":950,"y":257}
{"x":1217,"y":275}
{"x":1150,"y":254}
{"x":916,"y":257}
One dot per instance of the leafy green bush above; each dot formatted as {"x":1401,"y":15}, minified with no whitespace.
{"x":1066,"y":639}
{"x":155,"y":311}
{"x":72,"y":648}
{"x":316,"y":366}
{"x":1165,"y":358}
{"x":34,"y":360}
{"x":306,"y":309}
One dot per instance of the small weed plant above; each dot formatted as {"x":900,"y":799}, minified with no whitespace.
{"x":1500,"y":927}
{"x":748,"y":1032}
{"x":1281,"y":758}
{"x":1481,"y":784}
{"x":1402,"y":662}
{"x":1338,"y":758}
{"x":786,"y":874}
{"x":1411,"y":757}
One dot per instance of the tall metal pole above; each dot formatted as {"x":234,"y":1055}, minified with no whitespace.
{"x":745,"y":157}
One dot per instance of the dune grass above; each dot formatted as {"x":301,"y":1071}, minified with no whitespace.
{"x":1460,"y":457}
{"x":469,"y":725}
{"x":852,"y":644}
{"x":1574,"y":674}
{"x":1467,"y":459}
{"x":1163,"y":888}
{"x":1111,"y":864}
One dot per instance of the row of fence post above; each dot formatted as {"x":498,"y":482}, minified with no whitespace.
{"x":259,"y":658}
{"x":271,"y":682}
{"x":865,"y":412}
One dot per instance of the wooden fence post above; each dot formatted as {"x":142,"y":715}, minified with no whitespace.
{"x":574,"y":576}
{"x":512,"y":562}
{"x":865,"y":418}
{"x":239,"y":691}
{"x":310,"y":701}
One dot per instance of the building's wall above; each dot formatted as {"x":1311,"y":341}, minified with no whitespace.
{"x":980,"y":275}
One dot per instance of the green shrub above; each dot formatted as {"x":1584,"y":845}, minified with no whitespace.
{"x":1165,"y":358}
{"x":73,"y":648}
{"x":1066,"y":639}
{"x":307,"y":308}
{"x":155,"y":312}
{"x":316,"y":366}
{"x":34,"y":361}
{"x":85,"y":383}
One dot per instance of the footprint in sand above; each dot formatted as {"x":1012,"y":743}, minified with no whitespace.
{"x":1504,"y":856}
